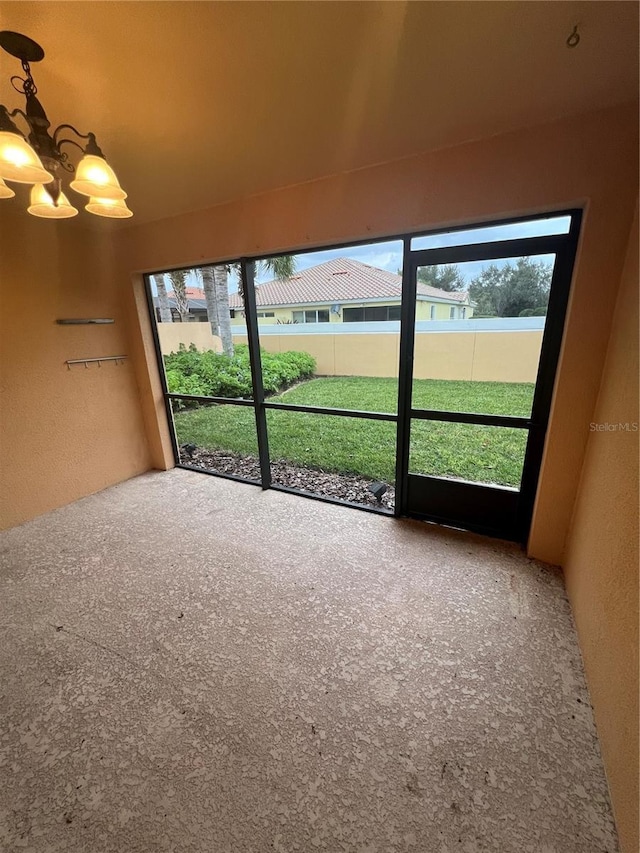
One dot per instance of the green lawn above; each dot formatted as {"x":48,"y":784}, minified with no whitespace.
{"x":482,"y":454}
{"x":380,"y":395}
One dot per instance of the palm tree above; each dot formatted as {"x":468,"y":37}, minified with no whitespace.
{"x":216,"y":297}
{"x":282,"y":267}
{"x":221,"y":289}
{"x":178,"y":280}
{"x":209,"y":287}
{"x":216,"y":293}
{"x":163,"y":300}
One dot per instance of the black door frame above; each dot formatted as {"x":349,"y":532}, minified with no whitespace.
{"x":491,"y":510}
{"x":563,"y":246}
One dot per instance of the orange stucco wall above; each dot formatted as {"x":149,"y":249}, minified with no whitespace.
{"x":63,"y":433}
{"x":589,"y":161}
{"x":601,"y":562}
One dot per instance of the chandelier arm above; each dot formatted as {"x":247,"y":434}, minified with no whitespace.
{"x":7,"y":125}
{"x":37,"y":136}
{"x":92,"y":145}
{"x":64,"y":157}
{"x":61,"y":142}
{"x":22,"y":114}
{"x":69,"y":127}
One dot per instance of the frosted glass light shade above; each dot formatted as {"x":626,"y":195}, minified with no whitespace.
{"x":19,"y":162}
{"x":95,"y":177}
{"x":113,"y":208}
{"x":42,"y":205}
{"x":5,"y":191}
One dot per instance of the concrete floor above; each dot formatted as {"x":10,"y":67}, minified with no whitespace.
{"x":191,"y":664}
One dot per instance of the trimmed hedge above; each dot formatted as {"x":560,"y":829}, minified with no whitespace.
{"x":213,"y":374}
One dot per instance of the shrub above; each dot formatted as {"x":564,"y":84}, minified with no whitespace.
{"x":178,"y":383}
{"x":213,"y":374}
{"x":185,"y":360}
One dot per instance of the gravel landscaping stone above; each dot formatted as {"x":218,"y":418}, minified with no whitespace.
{"x":344,"y":487}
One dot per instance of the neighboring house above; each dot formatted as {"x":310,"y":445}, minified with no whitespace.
{"x":339,"y":291}
{"x":197,"y":306}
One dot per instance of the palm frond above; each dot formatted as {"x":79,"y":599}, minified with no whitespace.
{"x":282,"y":267}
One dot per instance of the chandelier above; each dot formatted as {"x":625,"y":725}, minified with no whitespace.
{"x":37,"y":158}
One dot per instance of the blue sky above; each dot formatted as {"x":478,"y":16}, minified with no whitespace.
{"x":388,"y":255}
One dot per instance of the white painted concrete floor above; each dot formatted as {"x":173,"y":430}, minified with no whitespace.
{"x":192,"y":664}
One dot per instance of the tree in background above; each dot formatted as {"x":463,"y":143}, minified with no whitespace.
{"x":520,"y":290}
{"x":282,"y":267}
{"x":178,"y":279}
{"x":442,"y":276}
{"x":215,"y":283}
{"x":221,"y":291}
{"x":163,"y":300}
{"x":207,"y":277}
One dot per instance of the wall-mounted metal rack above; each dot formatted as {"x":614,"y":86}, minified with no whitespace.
{"x":84,"y":321}
{"x":88,"y":361}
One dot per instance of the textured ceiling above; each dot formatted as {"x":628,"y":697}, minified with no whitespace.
{"x":197,"y":103}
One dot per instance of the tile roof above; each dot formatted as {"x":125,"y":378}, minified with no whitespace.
{"x":195,"y":297}
{"x":338,"y":280}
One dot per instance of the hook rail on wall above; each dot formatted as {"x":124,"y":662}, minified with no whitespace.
{"x":88,"y":361}
{"x":82,"y":321}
